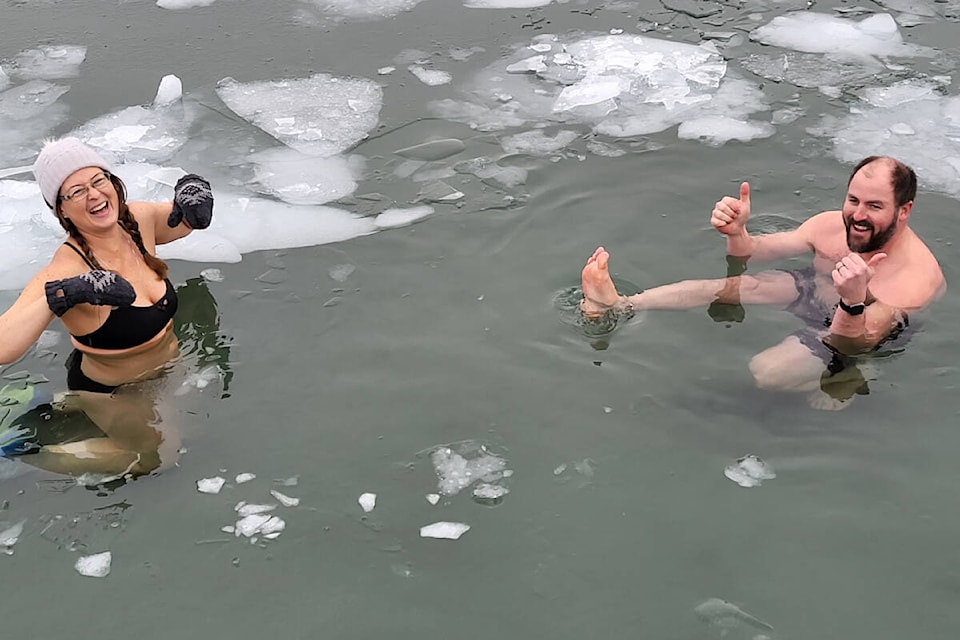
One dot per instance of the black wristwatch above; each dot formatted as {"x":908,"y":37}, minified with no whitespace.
{"x":852,"y":309}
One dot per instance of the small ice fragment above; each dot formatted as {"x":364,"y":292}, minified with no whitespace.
{"x":727,"y":616}
{"x":750,"y":471}
{"x":228,"y":528}
{"x":283,"y":499}
{"x":212,"y":275}
{"x":94,"y":566}
{"x":386,"y":70}
{"x":10,"y":535}
{"x":169,"y":91}
{"x":244,"y":477}
{"x":252,"y":509}
{"x":444,"y":530}
{"x":368,"y":501}
{"x":210,"y":485}
{"x":430,"y":77}
{"x":341,"y":272}
{"x":251,"y":524}
{"x":489,"y":494}
{"x":608,"y":409}
{"x":292,"y":481}
{"x":273,"y":526}
{"x":433,"y":498}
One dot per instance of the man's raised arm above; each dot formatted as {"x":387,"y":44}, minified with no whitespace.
{"x":729,"y":217}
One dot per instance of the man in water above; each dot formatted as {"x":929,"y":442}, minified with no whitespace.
{"x":870,"y":272}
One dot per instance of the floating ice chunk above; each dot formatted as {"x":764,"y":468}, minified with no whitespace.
{"x":48,"y":338}
{"x":445,"y":530}
{"x":383,"y":71}
{"x":245,"y":509}
{"x":251,"y":525}
{"x":591,"y":91}
{"x":319,"y":115}
{"x":536,"y":142}
{"x":228,"y":528}
{"x":29,"y":99}
{"x":718,"y":130}
{"x":10,"y":535}
{"x":727,"y":616}
{"x":284,"y":499}
{"x":136,"y":134}
{"x":48,"y":63}
{"x":393,"y":218}
{"x":340,"y":272}
{"x":4,"y":80}
{"x":244,"y":477}
{"x":489,"y":494}
{"x":439,"y":192}
{"x":433,"y":498}
{"x":367,"y":501}
{"x":210,"y":485}
{"x":169,"y":91}
{"x":300,"y":179}
{"x":212,"y":274}
{"x":432,"y":150}
{"x":875,"y":35}
{"x":455,"y":472}
{"x":96,"y":565}
{"x":749,"y":471}
{"x":430,"y":77}
{"x":533,"y":64}
{"x":505,"y":4}
{"x":177,"y":5}
{"x":365,"y":8}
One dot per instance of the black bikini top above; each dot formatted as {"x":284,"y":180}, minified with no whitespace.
{"x":130,"y":326}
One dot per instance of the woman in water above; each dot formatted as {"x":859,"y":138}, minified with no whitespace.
{"x":113,"y":296}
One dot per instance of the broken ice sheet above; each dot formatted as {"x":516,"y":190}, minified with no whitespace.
{"x":96,"y":565}
{"x":749,"y":471}
{"x":444,"y":530}
{"x":259,"y":524}
{"x":244,"y":477}
{"x":48,"y":63}
{"x":210,"y":485}
{"x":460,"y":465}
{"x":321,"y":115}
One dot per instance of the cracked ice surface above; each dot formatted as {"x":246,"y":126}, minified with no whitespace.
{"x":320,"y":116}
{"x":623,"y":85}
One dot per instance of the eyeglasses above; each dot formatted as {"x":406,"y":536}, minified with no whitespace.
{"x":99,"y":182}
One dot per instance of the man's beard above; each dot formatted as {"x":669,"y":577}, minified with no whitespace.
{"x":875,"y":242}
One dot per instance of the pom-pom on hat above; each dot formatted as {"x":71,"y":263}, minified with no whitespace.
{"x":60,"y":158}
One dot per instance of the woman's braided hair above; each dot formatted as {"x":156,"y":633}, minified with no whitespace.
{"x":126,"y":222}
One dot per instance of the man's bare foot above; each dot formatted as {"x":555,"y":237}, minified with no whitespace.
{"x":599,"y":293}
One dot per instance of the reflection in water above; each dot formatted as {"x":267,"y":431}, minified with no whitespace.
{"x":105,"y":438}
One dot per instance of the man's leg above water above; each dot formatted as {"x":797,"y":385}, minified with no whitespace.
{"x":600,"y":294}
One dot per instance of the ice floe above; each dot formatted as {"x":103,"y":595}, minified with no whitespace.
{"x":726,"y":616}
{"x":749,"y":471}
{"x":96,"y":565}
{"x":284,"y":499}
{"x":321,"y":115}
{"x":622,"y":85}
{"x":444,"y":530}
{"x":210,"y":485}
{"x":48,"y":63}
{"x":875,"y":35}
{"x":459,"y":466}
{"x":367,"y":502}
{"x":10,"y":535}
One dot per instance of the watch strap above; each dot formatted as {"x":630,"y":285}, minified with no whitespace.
{"x":853,"y":309}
